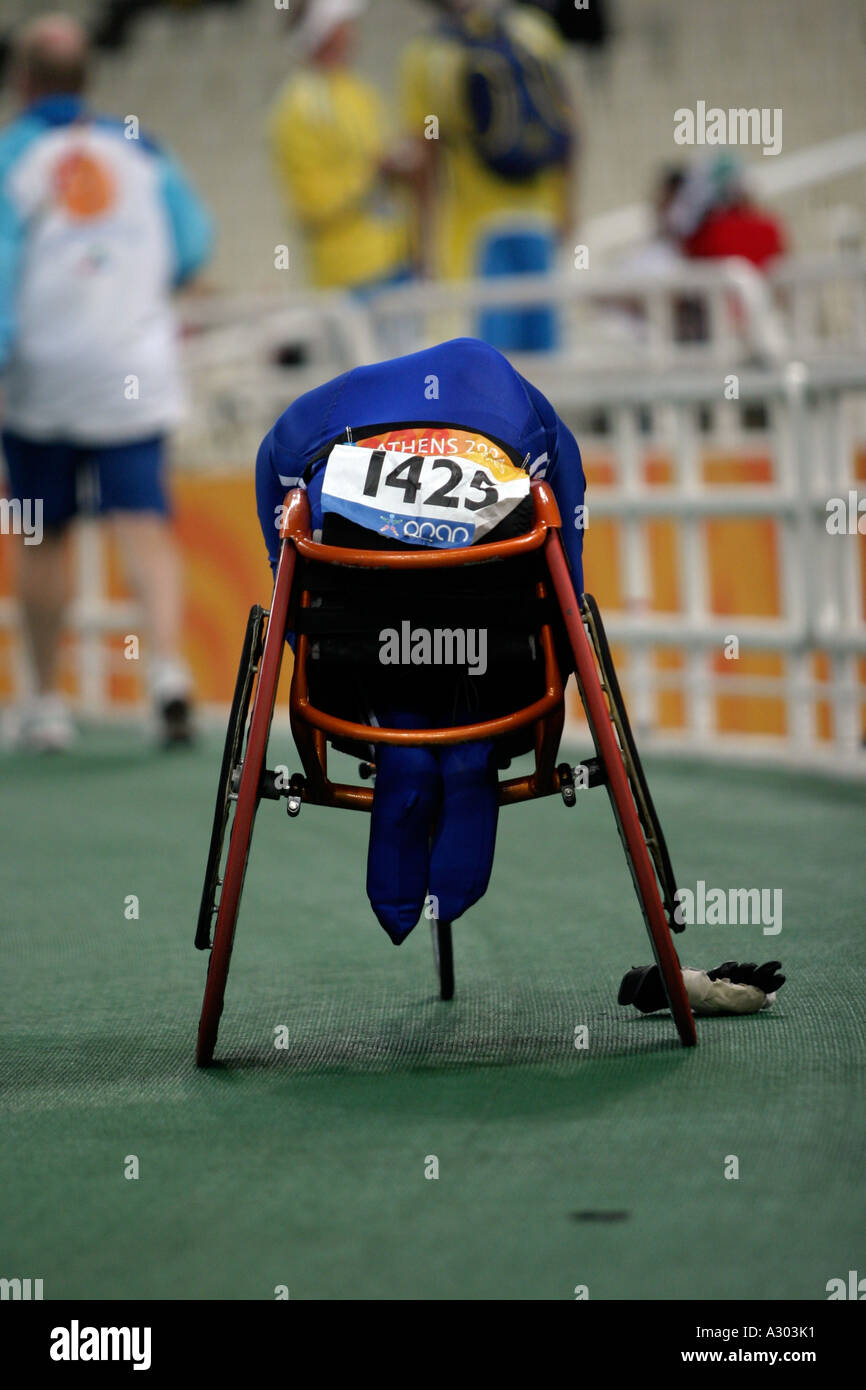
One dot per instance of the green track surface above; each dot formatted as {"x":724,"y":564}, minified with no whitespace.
{"x":305,"y":1166}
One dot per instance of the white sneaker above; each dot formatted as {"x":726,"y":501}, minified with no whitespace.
{"x":169,"y":680}
{"x":171,"y":690}
{"x":46,"y":726}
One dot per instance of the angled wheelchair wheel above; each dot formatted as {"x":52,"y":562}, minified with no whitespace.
{"x":621,"y":788}
{"x":619,"y":715}
{"x":443,"y":956}
{"x":241,"y":783}
{"x":229,"y":770}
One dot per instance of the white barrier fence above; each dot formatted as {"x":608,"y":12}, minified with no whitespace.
{"x":247,"y":358}
{"x":794,"y":344}
{"x":810,"y":431}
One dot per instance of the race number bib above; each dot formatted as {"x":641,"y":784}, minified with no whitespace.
{"x":421,"y":499}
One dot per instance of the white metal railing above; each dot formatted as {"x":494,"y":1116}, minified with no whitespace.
{"x":654,"y":394}
{"x":238,"y":352}
{"x":821,"y":301}
{"x":247,"y":358}
{"x":811,"y":438}
{"x":607,"y":318}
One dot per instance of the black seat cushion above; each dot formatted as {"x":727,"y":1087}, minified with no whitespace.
{"x":353,"y":612}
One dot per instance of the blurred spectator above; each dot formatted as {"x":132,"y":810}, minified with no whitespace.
{"x":654,"y":259}
{"x":712,"y":216}
{"x":97,"y":225}
{"x":662,"y":250}
{"x":486,"y":102}
{"x":330,"y":142}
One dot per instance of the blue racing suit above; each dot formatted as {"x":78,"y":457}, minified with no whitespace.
{"x":433,"y":827}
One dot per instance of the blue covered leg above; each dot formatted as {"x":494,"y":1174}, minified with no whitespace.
{"x":464,"y":840}
{"x":405,"y":801}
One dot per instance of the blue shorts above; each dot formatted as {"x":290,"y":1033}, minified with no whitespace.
{"x":73,"y":478}
{"x":520,"y":328}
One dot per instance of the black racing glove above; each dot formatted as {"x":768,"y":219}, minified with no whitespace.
{"x":642,"y":986}
{"x":765,"y":977}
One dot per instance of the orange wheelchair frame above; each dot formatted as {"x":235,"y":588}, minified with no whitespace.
{"x":245,"y":780}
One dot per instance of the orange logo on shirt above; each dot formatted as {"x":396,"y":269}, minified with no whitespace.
{"x":82,"y":185}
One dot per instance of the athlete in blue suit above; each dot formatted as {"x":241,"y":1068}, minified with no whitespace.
{"x":460,"y":389}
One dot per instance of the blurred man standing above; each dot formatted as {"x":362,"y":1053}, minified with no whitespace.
{"x":97,"y":226}
{"x":329,"y":136}
{"x":486,"y":103}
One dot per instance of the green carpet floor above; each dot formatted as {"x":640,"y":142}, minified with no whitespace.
{"x":305,"y":1166}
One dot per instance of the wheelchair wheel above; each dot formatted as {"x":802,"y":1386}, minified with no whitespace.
{"x":232,"y":752}
{"x":619,"y":715}
{"x":623,"y":798}
{"x":443,"y":955}
{"x":247,"y":775}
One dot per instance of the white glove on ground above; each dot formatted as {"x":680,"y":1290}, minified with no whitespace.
{"x":708,"y":996}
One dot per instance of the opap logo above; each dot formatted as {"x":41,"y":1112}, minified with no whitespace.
{"x":437,"y":532}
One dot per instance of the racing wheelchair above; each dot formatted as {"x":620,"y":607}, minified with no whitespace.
{"x":335,"y":599}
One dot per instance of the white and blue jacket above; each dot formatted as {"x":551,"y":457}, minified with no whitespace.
{"x":96,"y":229}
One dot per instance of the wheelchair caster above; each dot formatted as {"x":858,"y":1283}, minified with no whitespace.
{"x":566,"y":784}
{"x":295,"y":794}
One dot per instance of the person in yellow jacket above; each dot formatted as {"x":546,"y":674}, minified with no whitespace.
{"x":330,"y":145}
{"x":490,"y":205}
